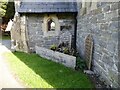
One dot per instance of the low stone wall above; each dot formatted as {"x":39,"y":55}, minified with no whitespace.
{"x":67,"y":60}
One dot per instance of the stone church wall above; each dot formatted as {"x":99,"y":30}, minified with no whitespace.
{"x":102,"y":24}
{"x":100,"y":19}
{"x":36,"y":29}
{"x":18,"y":33}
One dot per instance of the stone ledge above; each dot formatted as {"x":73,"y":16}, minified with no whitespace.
{"x":67,"y":60}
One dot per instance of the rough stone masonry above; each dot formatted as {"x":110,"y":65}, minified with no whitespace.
{"x":67,"y":60}
{"x":99,"y":19}
{"x":102,"y":24}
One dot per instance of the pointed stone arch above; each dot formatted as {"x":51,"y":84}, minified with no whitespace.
{"x":45,"y":25}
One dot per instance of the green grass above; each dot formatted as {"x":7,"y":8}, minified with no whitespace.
{"x":6,"y":37}
{"x":37,"y":72}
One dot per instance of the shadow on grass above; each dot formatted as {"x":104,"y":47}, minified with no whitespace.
{"x":53,"y":73}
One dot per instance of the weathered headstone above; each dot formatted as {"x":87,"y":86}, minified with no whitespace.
{"x":88,"y":50}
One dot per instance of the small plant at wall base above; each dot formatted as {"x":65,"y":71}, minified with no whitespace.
{"x":63,"y":48}
{"x":80,"y":64}
{"x":53,"y":47}
{"x":66,"y":50}
{"x":72,"y":52}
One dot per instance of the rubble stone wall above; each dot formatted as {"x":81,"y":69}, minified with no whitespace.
{"x":102,"y":24}
{"x":37,"y":34}
{"x":67,"y":60}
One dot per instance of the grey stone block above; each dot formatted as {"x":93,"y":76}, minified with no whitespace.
{"x":114,"y":6}
{"x":113,"y":75}
{"x":102,"y":65}
{"x":101,"y":21}
{"x":107,"y":52}
{"x":100,"y":16}
{"x":93,"y":19}
{"x":96,"y":11}
{"x":114,"y":36}
{"x":119,"y":11}
{"x":115,"y":19}
{"x":98,"y":50}
{"x":97,"y":56}
{"x":106,"y":8}
{"x":114,"y":25}
{"x":108,"y":60}
{"x":101,"y":4}
{"x":116,"y":59}
{"x":102,"y":44}
{"x":105,"y":35}
{"x":110,"y":15}
{"x":104,"y":26}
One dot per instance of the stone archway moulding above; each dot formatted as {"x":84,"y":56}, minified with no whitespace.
{"x":45,"y":27}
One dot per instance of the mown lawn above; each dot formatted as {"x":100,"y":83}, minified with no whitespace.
{"x":37,"y":72}
{"x":6,"y":37}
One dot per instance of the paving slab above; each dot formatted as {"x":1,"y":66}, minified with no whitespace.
{"x":7,"y":79}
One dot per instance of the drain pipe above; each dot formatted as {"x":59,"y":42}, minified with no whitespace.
{"x":75,"y":30}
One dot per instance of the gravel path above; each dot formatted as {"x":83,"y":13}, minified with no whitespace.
{"x":7,"y":80}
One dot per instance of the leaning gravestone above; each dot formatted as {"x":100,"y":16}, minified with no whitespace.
{"x":88,"y":50}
